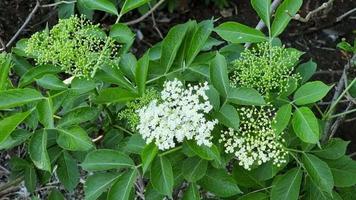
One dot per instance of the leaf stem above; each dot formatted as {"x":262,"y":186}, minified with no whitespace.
{"x":170,"y":151}
{"x":123,"y":129}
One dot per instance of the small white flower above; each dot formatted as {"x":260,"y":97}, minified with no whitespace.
{"x":180,"y":116}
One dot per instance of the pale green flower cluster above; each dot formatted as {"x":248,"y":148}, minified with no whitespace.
{"x":130,"y":112}
{"x":255,"y":142}
{"x":75,"y":45}
{"x":265,"y":68}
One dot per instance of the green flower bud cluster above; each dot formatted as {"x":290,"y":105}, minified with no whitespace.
{"x":75,"y":45}
{"x":265,"y":68}
{"x":130,"y":112}
{"x":255,"y":142}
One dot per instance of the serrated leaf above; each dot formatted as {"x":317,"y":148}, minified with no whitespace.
{"x":115,"y":95}
{"x":162,"y":176}
{"x":98,"y":183}
{"x":334,"y":149}
{"x":284,"y":14}
{"x":51,"y":82}
{"x":37,"y":149}
{"x":132,"y":4}
{"x":228,"y":116}
{"x":319,"y":172}
{"x":74,"y":139}
{"x":287,"y":186}
{"x":123,"y":186}
{"x":9,"y":124}
{"x":263,"y":9}
{"x":18,"y":97}
{"x":238,"y":33}
{"x":219,"y":76}
{"x":194,"y":168}
{"x":67,"y":171}
{"x":102,"y":5}
{"x":306,"y":70}
{"x":311,"y":92}
{"x":192,"y":193}
{"x":306,"y":125}
{"x":106,"y":159}
{"x":245,"y":96}
{"x":141,"y":73}
{"x":283,"y":116}
{"x":344,"y":171}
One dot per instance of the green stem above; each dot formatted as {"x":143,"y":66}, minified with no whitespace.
{"x":343,"y":113}
{"x":161,"y":76}
{"x":333,"y":105}
{"x":123,"y":129}
{"x":171,"y":151}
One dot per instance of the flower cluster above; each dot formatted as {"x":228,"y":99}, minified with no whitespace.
{"x":179,"y":116}
{"x":265,"y":68}
{"x":130,"y":114}
{"x":255,"y":142}
{"x":75,"y":45}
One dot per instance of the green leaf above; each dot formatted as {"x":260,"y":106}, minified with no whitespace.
{"x":45,"y":113}
{"x":220,"y":183}
{"x":198,"y":40}
{"x":51,"y":82}
{"x":141,"y":73}
{"x":305,"y":125}
{"x":78,"y":115}
{"x":287,"y":186}
{"x":283,"y":116}
{"x":97,"y":184}
{"x":219,"y":76}
{"x":263,"y":9}
{"x":306,"y":70}
{"x":115,"y":95}
{"x":284,"y":14}
{"x":135,"y":144}
{"x":55,"y":195}
{"x":334,"y":149}
{"x":147,"y":155}
{"x":245,"y":96}
{"x":16,"y":138}
{"x":102,"y":5}
{"x":171,"y":44}
{"x":9,"y":124}
{"x":123,"y":186}
{"x":214,"y":97}
{"x":238,"y":33}
{"x":205,"y":152}
{"x":36,"y":73}
{"x":66,"y":10}
{"x":30,"y":178}
{"x":194,"y":168}
{"x":128,"y":63}
{"x":67,"y":171}
{"x":344,"y":171}
{"x":18,"y":97}
{"x":162,"y":176}
{"x":74,"y":139}
{"x":5,"y":66}
{"x":122,"y":33}
{"x":228,"y":116}
{"x":132,"y":4}
{"x":192,"y":193}
{"x":311,"y":92}
{"x":82,"y":86}
{"x":245,"y":177}
{"x":112,"y":74}
{"x":319,"y":172}
{"x":106,"y":159}
{"x":38,"y":150}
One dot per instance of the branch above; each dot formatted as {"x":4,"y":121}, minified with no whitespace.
{"x":313,"y":12}
{"x":146,"y":14}
{"x":338,"y":90}
{"x":29,"y":17}
{"x":57,"y":3}
{"x":341,"y":17}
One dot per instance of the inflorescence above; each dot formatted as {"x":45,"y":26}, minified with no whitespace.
{"x":178,"y":115}
{"x":255,"y":142}
{"x":75,"y":45}
{"x":265,"y":68}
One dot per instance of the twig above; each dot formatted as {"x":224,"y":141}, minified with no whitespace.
{"x":7,"y":185}
{"x":135,"y":21}
{"x":337,"y":93}
{"x":339,"y":120}
{"x":313,"y":12}
{"x":29,"y":17}
{"x":97,"y":138}
{"x":341,"y":17}
{"x":57,"y":3}
{"x":261,"y":24}
{"x":155,"y":26}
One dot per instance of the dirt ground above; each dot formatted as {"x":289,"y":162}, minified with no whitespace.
{"x":317,"y":38}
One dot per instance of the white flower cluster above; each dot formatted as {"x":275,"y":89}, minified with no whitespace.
{"x":179,"y":115}
{"x":256,"y":142}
